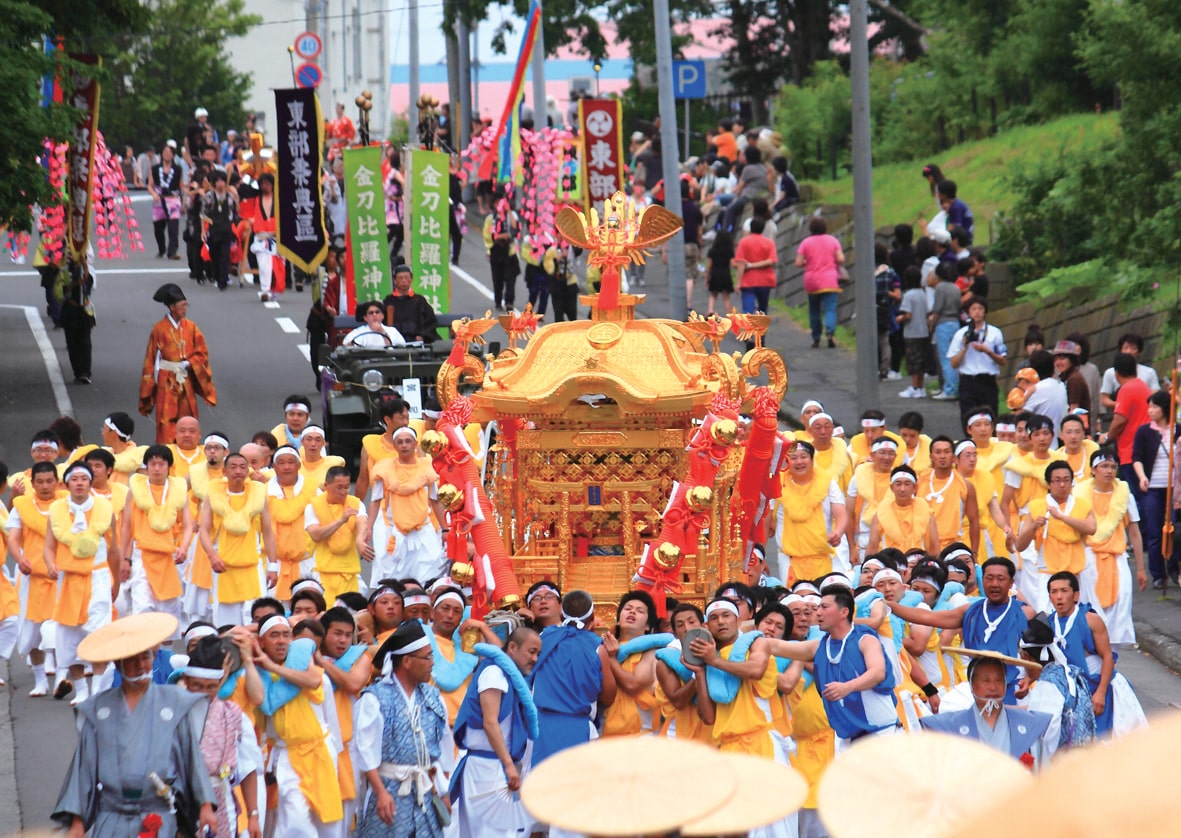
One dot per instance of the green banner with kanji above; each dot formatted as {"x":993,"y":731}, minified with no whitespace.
{"x":428,"y":226}
{"x":367,"y":237}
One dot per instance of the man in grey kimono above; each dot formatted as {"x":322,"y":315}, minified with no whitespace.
{"x":130,"y":733}
{"x":1015,"y":731}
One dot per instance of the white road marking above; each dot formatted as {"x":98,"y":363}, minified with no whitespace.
{"x":270,"y":304}
{"x":287,"y":324}
{"x":305,"y":350}
{"x":53,"y":368}
{"x":484,"y":290}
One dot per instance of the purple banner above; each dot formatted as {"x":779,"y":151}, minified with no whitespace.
{"x":299,"y":209}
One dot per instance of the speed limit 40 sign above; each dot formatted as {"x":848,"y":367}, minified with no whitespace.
{"x":308,"y":45}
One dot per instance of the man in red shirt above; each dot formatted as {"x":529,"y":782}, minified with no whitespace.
{"x":1131,"y":411}
{"x":341,"y":130}
{"x":756,"y":259}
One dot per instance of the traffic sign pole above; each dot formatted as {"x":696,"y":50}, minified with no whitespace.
{"x":686,"y":129}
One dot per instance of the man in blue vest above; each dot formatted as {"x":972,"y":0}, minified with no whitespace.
{"x":492,"y":728}
{"x":853,"y":677}
{"x":1012,"y":730}
{"x":994,"y":623}
{"x":572,"y":681}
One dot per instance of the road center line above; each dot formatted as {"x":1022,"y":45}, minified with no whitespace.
{"x":484,"y":290}
{"x":288,"y":325}
{"x":53,"y":368}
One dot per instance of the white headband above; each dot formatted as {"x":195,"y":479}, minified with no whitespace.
{"x":873,"y":423}
{"x":976,"y":417}
{"x":307,"y":584}
{"x":721,"y":605}
{"x":902,"y":476}
{"x":449,"y":595}
{"x":821,"y":415}
{"x":791,"y":599}
{"x":1006,"y":428}
{"x":415,"y":599}
{"x":811,"y":403}
{"x":836,"y":579}
{"x":118,"y":432}
{"x":272,"y":622}
{"x":306,"y":408}
{"x":312,"y":429}
{"x":405,"y":429}
{"x":199,"y":632}
{"x":868,"y":563}
{"x":44,"y":443}
{"x":539,"y":589}
{"x":581,"y":622}
{"x":78,"y":466}
{"x":812,"y":599}
{"x":284,"y":450}
{"x":804,"y":588}
{"x":882,"y":443}
{"x":964,"y":445}
{"x":888,"y":573}
{"x":413,"y":646}
{"x":202,"y":672}
{"x":957,"y":553}
{"x":217,"y":439}
{"x":928,"y":580}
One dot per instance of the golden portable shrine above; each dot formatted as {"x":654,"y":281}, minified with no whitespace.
{"x":621,"y":461}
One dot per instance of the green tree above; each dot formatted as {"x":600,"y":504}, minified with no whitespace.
{"x":178,"y":63}
{"x":27,"y":124}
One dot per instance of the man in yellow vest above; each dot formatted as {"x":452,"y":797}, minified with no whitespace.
{"x":903,"y":521}
{"x":394,"y":414}
{"x":810,"y":517}
{"x":81,"y":543}
{"x":297,"y":410}
{"x":315,"y":463}
{"x":1057,"y":524}
{"x":235,"y":524}
{"x":288,"y":494}
{"x":197,"y":574}
{"x":116,"y":434}
{"x":155,"y":532}
{"x":336,"y":524}
{"x":832,"y":453}
{"x":186,"y":451}
{"x":869,"y":487}
{"x":404,"y":538}
{"x":950,"y":496}
{"x":27,"y":525}
{"x":1025,"y":480}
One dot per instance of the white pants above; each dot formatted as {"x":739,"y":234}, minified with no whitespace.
{"x":231,"y":613}
{"x":417,"y":555}
{"x":1119,"y":616}
{"x":842,"y":745}
{"x":294,"y":818}
{"x":1031,"y":584}
{"x":9,"y":632}
{"x":142,"y":598}
{"x":487,"y":809}
{"x":98,"y":614}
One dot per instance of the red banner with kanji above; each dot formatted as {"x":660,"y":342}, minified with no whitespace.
{"x":601,"y":128}
{"x":83,"y":143}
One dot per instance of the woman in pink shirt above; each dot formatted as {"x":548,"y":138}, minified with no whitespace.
{"x":821,"y":257}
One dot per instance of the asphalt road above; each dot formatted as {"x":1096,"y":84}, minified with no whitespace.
{"x":258,"y":355}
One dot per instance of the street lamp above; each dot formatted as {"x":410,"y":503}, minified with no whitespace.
{"x":598,"y":68}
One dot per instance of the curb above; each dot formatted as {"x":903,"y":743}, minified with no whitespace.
{"x":9,"y":798}
{"x":1160,"y":646}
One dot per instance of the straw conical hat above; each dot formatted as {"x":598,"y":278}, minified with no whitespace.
{"x":989,"y":654}
{"x":767,"y":792}
{"x":907,"y":786}
{"x":1117,"y":788}
{"x":628,"y":785}
{"x":127,"y":637}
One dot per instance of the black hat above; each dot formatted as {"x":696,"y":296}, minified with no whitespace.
{"x":170,"y":294}
{"x":408,"y":637}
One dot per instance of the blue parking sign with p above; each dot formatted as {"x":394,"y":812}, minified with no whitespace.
{"x":689,"y":79}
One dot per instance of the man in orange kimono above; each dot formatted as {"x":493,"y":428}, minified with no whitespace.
{"x":176,"y":367}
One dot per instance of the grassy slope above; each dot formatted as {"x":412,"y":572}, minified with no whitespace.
{"x":979,"y":169}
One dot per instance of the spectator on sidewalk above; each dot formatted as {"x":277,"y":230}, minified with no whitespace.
{"x":759,"y":208}
{"x":1066,"y":367}
{"x":756,"y":258}
{"x":977,"y":351}
{"x":945,"y":320}
{"x":887,"y":295}
{"x":821,"y":257}
{"x":1048,"y":397}
{"x":958,"y":214}
{"x":1132,"y":344}
{"x":787,"y":189}
{"x":719,"y":276}
{"x":753,"y":182}
{"x":1150,"y":461}
{"x":1131,"y":411}
{"x":916,"y":337}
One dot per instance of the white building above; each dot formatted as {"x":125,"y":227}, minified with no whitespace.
{"x":354,"y":56}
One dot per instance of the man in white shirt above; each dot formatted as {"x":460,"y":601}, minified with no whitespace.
{"x":1132,"y":344}
{"x":1048,"y":397}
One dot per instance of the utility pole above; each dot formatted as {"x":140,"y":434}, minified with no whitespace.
{"x":539,"y":108}
{"x":412,"y":108}
{"x":476,"y":68}
{"x":462,"y":116}
{"x":677,"y":302}
{"x":863,"y":233}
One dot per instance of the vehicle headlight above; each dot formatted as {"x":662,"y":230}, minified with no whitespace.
{"x":372,"y":380}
